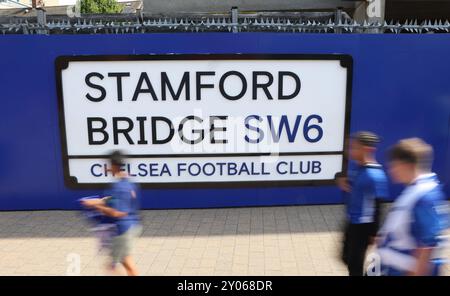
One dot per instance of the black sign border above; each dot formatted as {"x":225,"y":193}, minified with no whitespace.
{"x":62,"y":62}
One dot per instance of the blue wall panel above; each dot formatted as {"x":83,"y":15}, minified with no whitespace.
{"x":401,"y":88}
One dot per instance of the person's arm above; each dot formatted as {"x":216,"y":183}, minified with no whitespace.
{"x":99,"y":205}
{"x":379,"y":201}
{"x":381,"y":195}
{"x":423,"y":256}
{"x":90,"y":203}
{"x":376,"y":218}
{"x":110,"y":212}
{"x":342,"y":182}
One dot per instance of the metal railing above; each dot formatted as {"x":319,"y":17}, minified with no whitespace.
{"x":316,"y":22}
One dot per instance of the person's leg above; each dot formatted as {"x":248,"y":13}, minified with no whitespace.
{"x":358,"y":243}
{"x":127,"y":260}
{"x":130,"y":266}
{"x":352,"y":251}
{"x":118,"y":249}
{"x":345,"y":243}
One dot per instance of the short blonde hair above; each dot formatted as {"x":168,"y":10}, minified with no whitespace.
{"x":413,"y":150}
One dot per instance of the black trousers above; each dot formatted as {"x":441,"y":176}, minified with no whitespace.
{"x":356,"y":240}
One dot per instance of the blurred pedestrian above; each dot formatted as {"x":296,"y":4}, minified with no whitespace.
{"x":410,"y":241}
{"x":122,"y":205}
{"x":364,"y":188}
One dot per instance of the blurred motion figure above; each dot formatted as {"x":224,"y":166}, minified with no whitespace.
{"x":364,"y":189}
{"x":121,"y":205}
{"x":411,"y":238}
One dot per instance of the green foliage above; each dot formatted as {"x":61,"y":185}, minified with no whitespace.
{"x":100,"y":6}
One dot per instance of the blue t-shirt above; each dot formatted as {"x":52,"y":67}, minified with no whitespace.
{"x":430,"y":218}
{"x":122,"y":200}
{"x":368,"y":183}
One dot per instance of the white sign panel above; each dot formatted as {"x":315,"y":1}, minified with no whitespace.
{"x":205,"y":119}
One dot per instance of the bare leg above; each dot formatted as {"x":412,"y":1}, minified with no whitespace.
{"x":129,"y":265}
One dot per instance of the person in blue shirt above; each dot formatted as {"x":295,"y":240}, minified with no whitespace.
{"x":364,"y":188}
{"x":411,"y":239}
{"x":122,"y":205}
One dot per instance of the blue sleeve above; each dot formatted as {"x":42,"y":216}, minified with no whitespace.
{"x":379,"y":184}
{"x":381,"y":187}
{"x":426,"y":226}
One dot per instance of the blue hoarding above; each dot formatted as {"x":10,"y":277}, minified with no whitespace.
{"x":400,"y":89}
